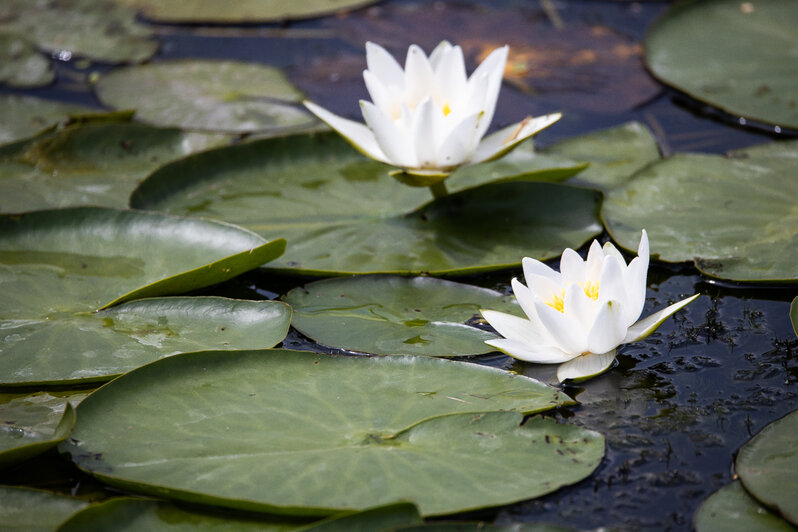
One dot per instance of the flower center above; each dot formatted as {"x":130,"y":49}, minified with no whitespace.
{"x":557,"y":302}
{"x":446,"y":108}
{"x":591,"y":289}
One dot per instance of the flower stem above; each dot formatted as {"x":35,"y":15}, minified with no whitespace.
{"x":439,"y":190}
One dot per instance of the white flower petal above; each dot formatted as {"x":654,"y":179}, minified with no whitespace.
{"x":380,"y":94}
{"x":572,"y":267}
{"x":535,"y":267}
{"x":564,"y":330}
{"x":611,"y":251}
{"x":531,"y":353}
{"x":384,"y":66}
{"x":390,"y":138}
{"x":525,"y":298}
{"x":505,"y":140}
{"x":419,"y":77}
{"x":425,"y":126}
{"x":611,"y":283}
{"x":594,"y":261}
{"x":580,"y":307}
{"x":648,"y":325}
{"x":458,"y":145}
{"x":515,"y":328}
{"x":608,"y":330}
{"x":544,"y":288}
{"x":491,"y":67}
{"x":360,"y":136}
{"x":439,"y":54}
{"x":450,"y":73}
{"x":585,"y":366}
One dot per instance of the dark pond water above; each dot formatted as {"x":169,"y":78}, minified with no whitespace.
{"x":678,"y":405}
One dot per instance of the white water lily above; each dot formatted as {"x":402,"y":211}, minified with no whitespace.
{"x":430,"y":118}
{"x":577,"y":317}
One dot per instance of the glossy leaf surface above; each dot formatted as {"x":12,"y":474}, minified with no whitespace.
{"x":31,"y":425}
{"x":368,"y":431}
{"x":343,"y":214}
{"x":732,"y":509}
{"x":24,"y":116}
{"x":396,"y":315}
{"x":27,"y":510}
{"x":21,"y":65}
{"x":228,"y":96}
{"x":733,"y":55}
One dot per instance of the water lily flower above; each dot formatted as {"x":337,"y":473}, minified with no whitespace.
{"x":430,"y":118}
{"x":577,"y":317}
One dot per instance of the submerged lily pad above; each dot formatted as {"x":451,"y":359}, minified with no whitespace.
{"x":734,"y":217}
{"x":396,"y":315}
{"x":95,"y":29}
{"x":738,"y":56}
{"x":94,"y":164}
{"x":732,"y":509}
{"x":206,"y":95}
{"x":328,"y":433}
{"x":25,"y":116}
{"x":614,"y":154}
{"x":131,"y":515}
{"x":21,"y":65}
{"x":58,"y":266}
{"x":342,"y":213}
{"x":767,"y":465}
{"x":30,"y":425}
{"x":242,"y":11}
{"x":26,"y":510}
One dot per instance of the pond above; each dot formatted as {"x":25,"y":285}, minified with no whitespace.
{"x":674,"y":409}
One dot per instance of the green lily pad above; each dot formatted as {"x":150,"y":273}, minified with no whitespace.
{"x":767,"y":465}
{"x":794,"y":315}
{"x":206,"y":95}
{"x":56,"y":267}
{"x":30,"y":425}
{"x":342,"y":213}
{"x":95,"y":29}
{"x":328,"y":433}
{"x":737,"y":56}
{"x":94,"y":164}
{"x":130,"y":515}
{"x":27,"y":510}
{"x":614,"y":154}
{"x":396,"y":315}
{"x":21,"y":65}
{"x":732,"y":509}
{"x":24,"y":116}
{"x":736,"y":218}
{"x":242,"y":11}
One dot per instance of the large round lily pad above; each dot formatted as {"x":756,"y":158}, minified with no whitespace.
{"x":94,"y":164}
{"x":614,"y":154}
{"x":342,"y":213}
{"x":21,"y":65}
{"x":132,"y":515}
{"x":27,"y":510}
{"x":24,"y":116}
{"x":95,"y":29}
{"x":736,"y":218}
{"x":767,"y":465}
{"x":32,"y":424}
{"x":732,"y":509}
{"x":242,"y":11}
{"x":295,"y":432}
{"x":395,"y":315}
{"x":738,"y":56}
{"x":206,"y":95}
{"x":56,"y":267}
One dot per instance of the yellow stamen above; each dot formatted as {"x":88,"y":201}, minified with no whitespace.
{"x":446,"y":108}
{"x":591,"y":289}
{"x":557,"y":302}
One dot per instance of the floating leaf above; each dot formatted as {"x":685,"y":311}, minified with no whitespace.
{"x":95,"y":164}
{"x":732,"y":509}
{"x":31,"y":425}
{"x":130,"y":515}
{"x":396,"y":315}
{"x":767,"y":465}
{"x":731,"y":54}
{"x":58,"y":266}
{"x":242,"y":11}
{"x":21,"y":65}
{"x":735,"y":218}
{"x":342,"y":213}
{"x":206,"y":95}
{"x":27,"y":510}
{"x":328,"y":433}
{"x":95,"y":29}
{"x":24,"y":116}
{"x":614,"y":154}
